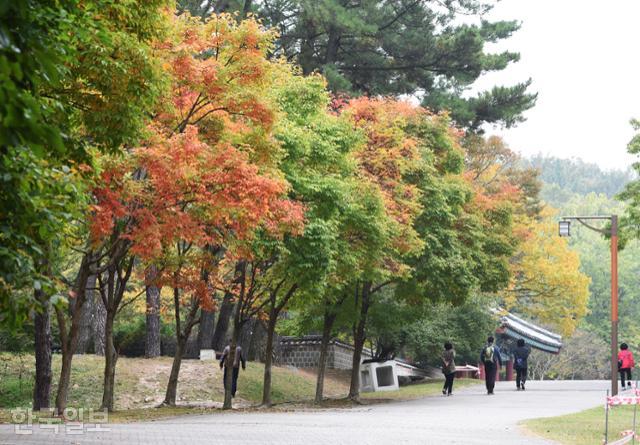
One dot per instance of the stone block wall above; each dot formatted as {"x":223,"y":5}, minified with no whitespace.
{"x":304,"y":352}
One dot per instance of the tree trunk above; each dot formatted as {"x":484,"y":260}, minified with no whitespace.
{"x":268,"y":356}
{"x":182,"y":337}
{"x":246,"y":8}
{"x":333,"y":44}
{"x":153,"y":339}
{"x":110,"y":359}
{"x":98,"y":325}
{"x":329,"y":318}
{"x":245,"y":337}
{"x":63,"y":382}
{"x":172,"y":386}
{"x":205,"y":331}
{"x":222,"y":326}
{"x":69,"y":340}
{"x":359,"y":338}
{"x":84,"y":336}
{"x":42,"y":328}
{"x":230,"y":360}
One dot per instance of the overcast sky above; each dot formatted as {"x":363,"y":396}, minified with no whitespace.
{"x":583,"y":58}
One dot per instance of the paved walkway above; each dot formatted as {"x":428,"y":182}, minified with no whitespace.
{"x":469,"y":417}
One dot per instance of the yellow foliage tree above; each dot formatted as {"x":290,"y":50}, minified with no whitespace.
{"x":547,"y":283}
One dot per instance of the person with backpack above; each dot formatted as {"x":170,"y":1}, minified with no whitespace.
{"x":625,"y":363}
{"x":490,"y":358}
{"x":448,"y":368}
{"x":520,"y":356}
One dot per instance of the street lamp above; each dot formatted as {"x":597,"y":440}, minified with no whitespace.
{"x":564,"y":226}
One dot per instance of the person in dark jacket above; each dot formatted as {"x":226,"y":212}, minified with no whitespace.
{"x":520,"y":356}
{"x":490,"y":358}
{"x":239,"y":358}
{"x":448,"y":368}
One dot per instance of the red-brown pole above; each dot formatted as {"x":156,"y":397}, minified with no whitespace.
{"x":614,"y":305}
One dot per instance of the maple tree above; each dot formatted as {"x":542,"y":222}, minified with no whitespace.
{"x":545,"y":281}
{"x":317,"y":146}
{"x":85,"y":62}
{"x":200,"y":184}
{"x":390,"y":161}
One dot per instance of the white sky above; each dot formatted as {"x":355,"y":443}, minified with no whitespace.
{"x":583,"y":58}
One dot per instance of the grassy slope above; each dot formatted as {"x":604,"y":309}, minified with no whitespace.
{"x":140,"y":385}
{"x":585,"y":427}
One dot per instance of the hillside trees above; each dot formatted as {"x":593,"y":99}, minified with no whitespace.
{"x":631,"y":193}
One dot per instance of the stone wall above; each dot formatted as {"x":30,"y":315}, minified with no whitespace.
{"x":304,"y":352}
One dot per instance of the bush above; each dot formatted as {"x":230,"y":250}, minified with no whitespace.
{"x":129,"y":337}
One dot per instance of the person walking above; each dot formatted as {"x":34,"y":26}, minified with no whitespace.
{"x":448,"y":368}
{"x":239,"y":358}
{"x":520,"y":356}
{"x":625,"y":364}
{"x":490,"y":358}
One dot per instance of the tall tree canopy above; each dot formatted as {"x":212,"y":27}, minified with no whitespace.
{"x":68,"y":73}
{"x":395,"y":47}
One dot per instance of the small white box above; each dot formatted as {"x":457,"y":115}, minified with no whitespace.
{"x":379,"y":376}
{"x":207,"y":354}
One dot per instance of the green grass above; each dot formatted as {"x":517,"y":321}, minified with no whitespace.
{"x":585,"y":427}
{"x":418,"y":390}
{"x":141,"y":384}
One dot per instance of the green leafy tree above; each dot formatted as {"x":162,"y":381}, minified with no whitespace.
{"x":69,"y":74}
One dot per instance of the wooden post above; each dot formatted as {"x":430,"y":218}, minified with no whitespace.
{"x":509,"y":368}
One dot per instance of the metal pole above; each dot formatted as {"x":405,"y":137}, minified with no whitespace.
{"x":614,"y":305}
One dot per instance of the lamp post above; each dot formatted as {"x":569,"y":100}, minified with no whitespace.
{"x":564,"y":229}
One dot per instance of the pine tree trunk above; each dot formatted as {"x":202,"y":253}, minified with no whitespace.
{"x":111,"y":357}
{"x":86,"y":325}
{"x":222,"y":326}
{"x":359,"y":338}
{"x":153,"y":338}
{"x":205,"y":330}
{"x":329,"y":319}
{"x":42,"y":328}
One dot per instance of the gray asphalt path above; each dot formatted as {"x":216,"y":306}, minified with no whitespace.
{"x":468,"y":417}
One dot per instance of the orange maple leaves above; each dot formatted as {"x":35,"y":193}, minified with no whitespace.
{"x":195,"y":184}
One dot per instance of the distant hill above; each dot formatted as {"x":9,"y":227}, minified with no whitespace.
{"x":571,"y":176}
